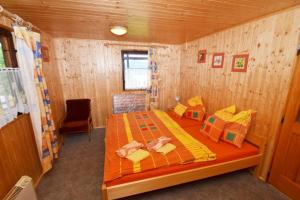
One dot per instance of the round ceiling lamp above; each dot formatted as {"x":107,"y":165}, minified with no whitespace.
{"x":118,"y":30}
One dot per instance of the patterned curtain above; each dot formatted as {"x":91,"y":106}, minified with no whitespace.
{"x":30,"y":60}
{"x":154,"y":79}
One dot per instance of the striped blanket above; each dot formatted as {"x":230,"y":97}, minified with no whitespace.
{"x":144,"y":127}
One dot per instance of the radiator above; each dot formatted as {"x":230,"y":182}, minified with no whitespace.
{"x":124,"y":103}
{"x":23,"y":190}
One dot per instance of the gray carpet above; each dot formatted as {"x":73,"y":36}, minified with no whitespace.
{"x":77,"y":175}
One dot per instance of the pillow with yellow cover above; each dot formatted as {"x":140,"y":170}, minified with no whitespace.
{"x":235,"y":132}
{"x":180,"y":109}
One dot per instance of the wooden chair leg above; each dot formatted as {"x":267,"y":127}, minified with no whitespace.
{"x":90,"y":132}
{"x":63,"y":139}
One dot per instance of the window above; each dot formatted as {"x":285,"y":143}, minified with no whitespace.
{"x":7,"y":50}
{"x":136,"y":72}
{"x":12,"y":95}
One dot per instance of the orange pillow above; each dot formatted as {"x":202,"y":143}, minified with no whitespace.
{"x":213,"y":127}
{"x":195,"y":112}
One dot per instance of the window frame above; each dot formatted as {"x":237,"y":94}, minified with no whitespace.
{"x":123,"y":66}
{"x":8,"y":48}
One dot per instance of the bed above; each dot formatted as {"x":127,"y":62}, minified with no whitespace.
{"x":227,"y":157}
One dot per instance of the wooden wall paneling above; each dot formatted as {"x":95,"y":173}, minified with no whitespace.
{"x":53,"y":81}
{"x":18,"y":153}
{"x":91,"y":69}
{"x":271,"y":43}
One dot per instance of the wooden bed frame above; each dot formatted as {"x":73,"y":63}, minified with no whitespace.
{"x":163,"y":181}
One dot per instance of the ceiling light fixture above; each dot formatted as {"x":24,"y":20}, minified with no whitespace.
{"x":118,"y":30}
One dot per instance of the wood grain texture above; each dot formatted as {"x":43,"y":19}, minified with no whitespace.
{"x":51,"y":72}
{"x":271,"y":43}
{"x":18,"y":153}
{"x":91,"y":69}
{"x":161,"y":21}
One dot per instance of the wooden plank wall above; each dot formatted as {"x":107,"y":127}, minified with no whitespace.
{"x":91,"y":69}
{"x":53,"y":80}
{"x":18,"y":153}
{"x":271,"y":43}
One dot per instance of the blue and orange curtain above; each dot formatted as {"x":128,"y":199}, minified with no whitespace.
{"x":154,"y":89}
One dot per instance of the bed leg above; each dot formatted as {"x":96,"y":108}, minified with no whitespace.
{"x":256,"y":173}
{"x":104,"y":192}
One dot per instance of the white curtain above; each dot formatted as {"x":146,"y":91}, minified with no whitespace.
{"x":26,"y":64}
{"x":12,"y":96}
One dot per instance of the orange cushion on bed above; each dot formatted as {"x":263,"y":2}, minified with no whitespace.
{"x":195,"y":112}
{"x":183,"y":122}
{"x":213,"y":127}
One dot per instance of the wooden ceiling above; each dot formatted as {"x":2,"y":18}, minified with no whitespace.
{"x":163,"y":21}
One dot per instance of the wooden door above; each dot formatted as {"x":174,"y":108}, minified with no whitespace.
{"x":285,"y":172}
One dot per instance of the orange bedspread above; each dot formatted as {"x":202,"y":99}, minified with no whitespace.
{"x":143,"y":127}
{"x":224,"y":151}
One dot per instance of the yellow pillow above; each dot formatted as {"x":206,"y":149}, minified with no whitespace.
{"x":243,"y":117}
{"x":180,"y":109}
{"x":138,"y":155}
{"x":167,"y":148}
{"x":195,"y":101}
{"x":227,"y":113}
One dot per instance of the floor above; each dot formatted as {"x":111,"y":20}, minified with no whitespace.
{"x":77,"y":175}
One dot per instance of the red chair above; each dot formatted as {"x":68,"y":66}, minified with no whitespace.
{"x":78,"y":118}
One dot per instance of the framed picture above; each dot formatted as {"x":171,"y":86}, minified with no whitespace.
{"x":201,"y":56}
{"x":45,"y":54}
{"x":240,"y":63}
{"x":218,"y":60}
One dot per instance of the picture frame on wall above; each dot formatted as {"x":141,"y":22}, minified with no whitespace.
{"x":45,"y":53}
{"x":218,"y":60}
{"x":240,"y":63}
{"x":202,"y":56}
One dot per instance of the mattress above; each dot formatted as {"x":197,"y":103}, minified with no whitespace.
{"x":224,"y":151}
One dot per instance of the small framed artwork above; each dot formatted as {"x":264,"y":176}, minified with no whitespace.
{"x":218,"y":60}
{"x":45,"y":54}
{"x":240,"y":63}
{"x":201,"y":56}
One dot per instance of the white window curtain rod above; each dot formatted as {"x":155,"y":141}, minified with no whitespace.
{"x":17,"y":19}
